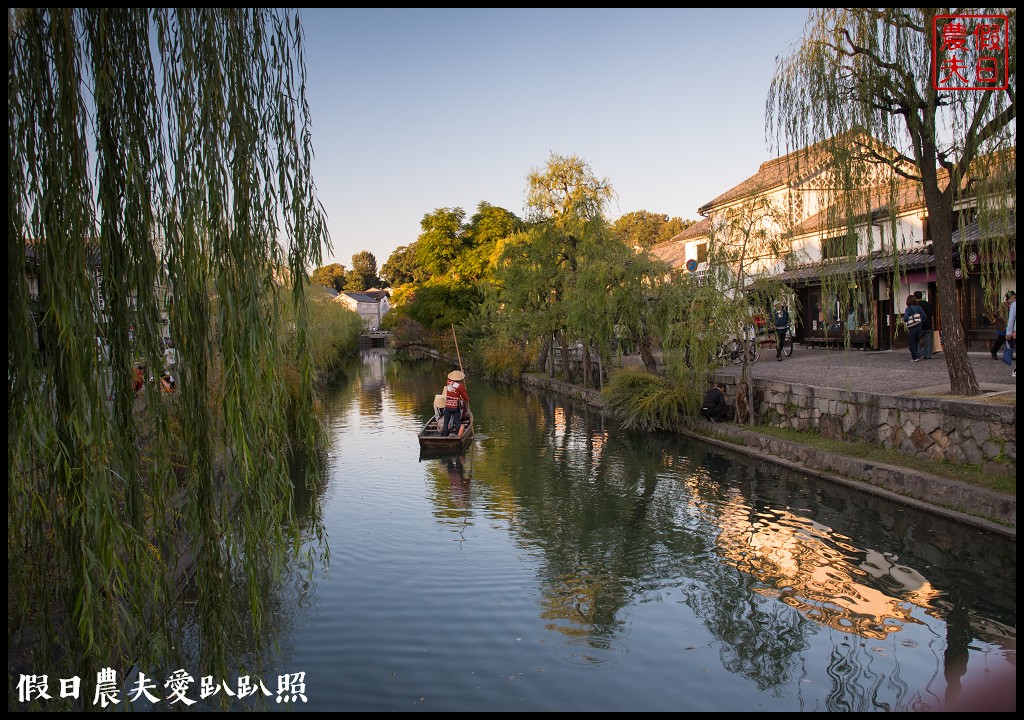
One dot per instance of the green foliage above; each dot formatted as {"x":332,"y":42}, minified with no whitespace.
{"x":644,"y":401}
{"x":403,"y":268}
{"x":566,"y":190}
{"x":172,"y":192}
{"x":482,"y":239}
{"x":332,"y":276}
{"x":440,"y":243}
{"x":503,"y":359}
{"x":442,"y":303}
{"x":363,"y":274}
{"x":644,"y":229}
{"x":335,"y":340}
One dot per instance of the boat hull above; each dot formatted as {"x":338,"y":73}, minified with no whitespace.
{"x":433,"y":442}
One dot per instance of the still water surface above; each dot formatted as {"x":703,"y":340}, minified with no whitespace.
{"x":563,"y":564}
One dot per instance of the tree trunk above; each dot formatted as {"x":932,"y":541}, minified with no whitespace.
{"x":962,"y":380}
{"x":542,"y":359}
{"x":746,"y":388}
{"x":742,"y":404}
{"x":650,"y":363}
{"x":566,"y":360}
{"x":585,"y":355}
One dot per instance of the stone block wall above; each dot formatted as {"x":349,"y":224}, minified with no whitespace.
{"x":956,"y":431}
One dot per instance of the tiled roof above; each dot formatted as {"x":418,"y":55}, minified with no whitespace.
{"x":1004,"y":226}
{"x":361,"y":297}
{"x":674,"y":251}
{"x":782,"y":171}
{"x":791,"y":169}
{"x":698,"y":229}
{"x":883,"y":260}
{"x":866,"y":265}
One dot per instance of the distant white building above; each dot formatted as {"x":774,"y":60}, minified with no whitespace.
{"x":370,"y":305}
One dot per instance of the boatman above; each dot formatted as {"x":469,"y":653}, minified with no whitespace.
{"x":455,"y":398}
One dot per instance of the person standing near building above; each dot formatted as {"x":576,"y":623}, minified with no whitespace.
{"x":998,"y":319}
{"x":913,"y":318}
{"x":1011,"y":328}
{"x":926,"y":325}
{"x":781,"y":328}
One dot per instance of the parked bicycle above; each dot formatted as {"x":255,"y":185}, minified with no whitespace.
{"x":733,"y":350}
{"x":729,"y":352}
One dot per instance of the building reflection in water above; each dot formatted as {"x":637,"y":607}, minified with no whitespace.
{"x":820,"y":574}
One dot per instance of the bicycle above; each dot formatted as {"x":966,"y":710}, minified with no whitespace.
{"x":733,"y":350}
{"x":787,"y":342}
{"x":729,"y":352}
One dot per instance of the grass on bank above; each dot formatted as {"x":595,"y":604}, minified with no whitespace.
{"x":975,"y":475}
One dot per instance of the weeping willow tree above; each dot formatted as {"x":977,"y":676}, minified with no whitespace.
{"x":538,"y":268}
{"x":745,"y":241}
{"x":158,"y":161}
{"x":870,"y":70}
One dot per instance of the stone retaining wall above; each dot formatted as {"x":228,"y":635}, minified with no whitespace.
{"x":940,"y":429}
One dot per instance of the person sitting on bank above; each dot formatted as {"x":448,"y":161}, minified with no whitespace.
{"x":455,"y":398}
{"x":714,"y":407}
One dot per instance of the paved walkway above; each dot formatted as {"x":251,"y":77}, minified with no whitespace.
{"x":886,"y":372}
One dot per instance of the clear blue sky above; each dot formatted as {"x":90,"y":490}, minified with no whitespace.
{"x":419,"y":109}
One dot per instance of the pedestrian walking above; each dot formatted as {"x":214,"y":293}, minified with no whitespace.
{"x":1011,"y":330}
{"x":913,"y":318}
{"x":998,"y":318}
{"x":781,"y":328}
{"x":926,"y":324}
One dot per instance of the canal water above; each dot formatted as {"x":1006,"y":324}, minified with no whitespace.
{"x":563,"y":564}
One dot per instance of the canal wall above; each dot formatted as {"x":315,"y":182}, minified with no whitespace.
{"x":934,"y":428}
{"x":962,"y":502}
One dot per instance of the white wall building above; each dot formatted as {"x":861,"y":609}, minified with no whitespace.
{"x":370,"y":305}
{"x":796,"y":188}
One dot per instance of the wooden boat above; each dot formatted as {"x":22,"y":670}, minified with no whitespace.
{"x":432,"y":442}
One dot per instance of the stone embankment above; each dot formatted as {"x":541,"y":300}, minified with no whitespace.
{"x":937,"y":429}
{"x":980,"y":507}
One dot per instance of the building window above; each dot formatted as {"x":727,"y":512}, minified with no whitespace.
{"x":964,"y":217}
{"x":702,"y":252}
{"x":796,"y":207}
{"x":835,"y":247}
